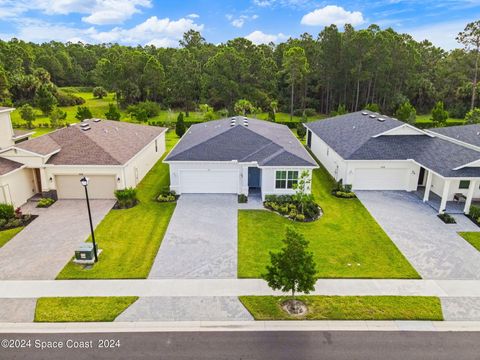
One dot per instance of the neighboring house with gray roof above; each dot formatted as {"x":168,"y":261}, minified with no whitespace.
{"x":237,"y":156}
{"x":113,"y":155}
{"x":375,"y":152}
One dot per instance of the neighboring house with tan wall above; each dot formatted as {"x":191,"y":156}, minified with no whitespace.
{"x":114,"y":155}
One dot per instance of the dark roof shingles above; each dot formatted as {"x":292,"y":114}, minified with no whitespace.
{"x":7,"y":166}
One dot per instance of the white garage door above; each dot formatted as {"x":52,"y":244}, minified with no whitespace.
{"x":99,"y":187}
{"x":209,"y":181}
{"x":381,"y":179}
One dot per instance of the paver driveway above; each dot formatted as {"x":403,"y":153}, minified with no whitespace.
{"x":43,"y":248}
{"x":201,"y":239}
{"x":435,"y":249}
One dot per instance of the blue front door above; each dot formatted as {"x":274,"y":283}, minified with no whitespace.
{"x":253,"y":177}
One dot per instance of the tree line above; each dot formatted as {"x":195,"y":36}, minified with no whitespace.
{"x":338,"y":70}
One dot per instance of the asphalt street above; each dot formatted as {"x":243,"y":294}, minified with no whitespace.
{"x":244,"y":345}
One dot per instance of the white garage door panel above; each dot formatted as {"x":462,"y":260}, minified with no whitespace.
{"x":99,"y":187}
{"x":209,"y":181}
{"x":381,"y":179}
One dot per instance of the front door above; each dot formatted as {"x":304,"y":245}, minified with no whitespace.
{"x":254,"y":177}
{"x":421,"y":177}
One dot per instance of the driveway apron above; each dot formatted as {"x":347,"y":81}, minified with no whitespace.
{"x":434,"y":248}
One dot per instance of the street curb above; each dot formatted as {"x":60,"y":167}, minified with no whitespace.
{"x":233,"y":326}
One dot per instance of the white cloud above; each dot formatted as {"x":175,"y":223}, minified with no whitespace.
{"x":193,"y":16}
{"x":159,"y":32}
{"x":442,"y":34}
{"x":259,"y":37}
{"x":283,"y":3}
{"x":238,"y":22}
{"x":98,"y":12}
{"x":332,"y":14}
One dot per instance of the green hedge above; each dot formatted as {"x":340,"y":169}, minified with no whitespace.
{"x":431,"y":124}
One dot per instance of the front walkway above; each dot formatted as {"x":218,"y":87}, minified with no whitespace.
{"x":201,"y":239}
{"x":434,"y":248}
{"x":43,"y":248}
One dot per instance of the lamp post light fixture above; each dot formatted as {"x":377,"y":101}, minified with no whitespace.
{"x":84,"y":182}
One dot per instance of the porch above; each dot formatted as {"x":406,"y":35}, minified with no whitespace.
{"x":435,"y":201}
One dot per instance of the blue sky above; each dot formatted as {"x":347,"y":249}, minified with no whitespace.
{"x":162,"y":22}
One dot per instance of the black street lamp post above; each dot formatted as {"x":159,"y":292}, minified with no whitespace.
{"x":84,"y":182}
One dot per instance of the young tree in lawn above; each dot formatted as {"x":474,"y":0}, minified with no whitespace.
{"x":301,"y":190}
{"x":45,"y":99}
{"x":470,"y":38}
{"x":99,"y":92}
{"x":301,"y":130}
{"x":112,"y":113}
{"x":274,"y":106}
{"x":406,"y":112}
{"x":439,"y":114}
{"x":295,"y":66}
{"x":180,"y":126}
{"x":56,"y":116}
{"x":28,"y":114}
{"x":292,"y":269}
{"x":473,"y":116}
{"x":83,"y":113}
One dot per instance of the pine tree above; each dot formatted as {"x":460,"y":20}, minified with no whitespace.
{"x":180,"y":126}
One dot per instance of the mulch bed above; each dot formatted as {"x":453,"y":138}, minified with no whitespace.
{"x":118,"y":207}
{"x":26,"y":219}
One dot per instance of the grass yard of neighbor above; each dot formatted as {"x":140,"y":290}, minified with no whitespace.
{"x":81,"y":309}
{"x":428,"y":118}
{"x":346,"y":241}
{"x":348,"y":308}
{"x":7,"y":235}
{"x":130,"y":238}
{"x":473,"y":238}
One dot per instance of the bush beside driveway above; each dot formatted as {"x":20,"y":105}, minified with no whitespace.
{"x":346,"y":241}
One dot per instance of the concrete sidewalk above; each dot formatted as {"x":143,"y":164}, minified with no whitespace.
{"x":231,"y":287}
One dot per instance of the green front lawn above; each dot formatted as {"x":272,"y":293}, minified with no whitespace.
{"x":7,"y":235}
{"x":348,"y":308}
{"x":473,"y":238}
{"x":130,"y":238}
{"x":428,"y":117}
{"x":347,"y":242}
{"x":81,"y":309}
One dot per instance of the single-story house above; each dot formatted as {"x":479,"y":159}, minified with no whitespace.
{"x":238,"y":155}
{"x":113,"y":155}
{"x":375,"y":152}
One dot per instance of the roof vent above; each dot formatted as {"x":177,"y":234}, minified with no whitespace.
{"x":86,"y":128}
{"x":233,"y":122}
{"x":96,"y":120}
{"x":381,"y":119}
{"x":83,"y":125}
{"x":364,"y":113}
{"x":478,"y":133}
{"x":245,"y":121}
{"x":373,"y":116}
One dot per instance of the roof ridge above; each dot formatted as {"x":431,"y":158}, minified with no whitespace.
{"x":260,"y":149}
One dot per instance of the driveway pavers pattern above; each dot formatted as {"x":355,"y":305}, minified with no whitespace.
{"x":435,"y":249}
{"x":42,"y":249}
{"x":201,"y":239}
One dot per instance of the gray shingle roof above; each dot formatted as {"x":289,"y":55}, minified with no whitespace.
{"x":351,"y":136}
{"x":267,"y":143}
{"x":346,"y":133}
{"x":469,"y":134}
{"x":7,"y":166}
{"x":106,"y":143}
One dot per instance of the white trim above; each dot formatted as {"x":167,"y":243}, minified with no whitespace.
{"x":22,"y":136}
{"x":470,"y":163}
{"x":404,"y":126}
{"x":8,"y":109}
{"x":455,"y":141}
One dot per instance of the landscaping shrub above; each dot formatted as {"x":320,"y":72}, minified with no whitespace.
{"x":45,"y":203}
{"x":126,"y":198}
{"x":7,"y":211}
{"x":67,"y":99}
{"x":447,"y":219}
{"x":474,"y":212}
{"x":166,"y":195}
{"x":343,"y":191}
{"x":288,"y":206}
{"x":242,"y":199}
{"x":144,"y":110}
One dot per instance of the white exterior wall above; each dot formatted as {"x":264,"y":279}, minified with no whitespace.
{"x":17,"y":187}
{"x":438,"y":184}
{"x":52,"y":171}
{"x":6,"y":130}
{"x":143,"y":162}
{"x":333,"y":162}
{"x":268,"y":181}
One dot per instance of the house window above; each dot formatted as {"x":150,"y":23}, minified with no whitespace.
{"x":286,"y":179}
{"x":464,"y":184}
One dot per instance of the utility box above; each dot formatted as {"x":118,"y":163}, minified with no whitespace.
{"x":85,"y":253}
